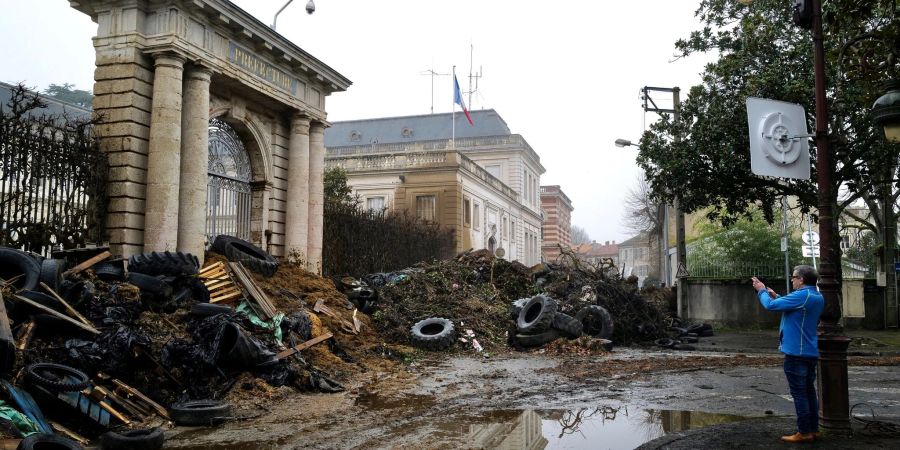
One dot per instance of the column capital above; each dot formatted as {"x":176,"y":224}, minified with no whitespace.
{"x":199,"y":72}
{"x":300,"y":124}
{"x":261,"y":185}
{"x":169,"y":59}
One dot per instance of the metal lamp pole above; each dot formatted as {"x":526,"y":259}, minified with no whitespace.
{"x":833,"y":384}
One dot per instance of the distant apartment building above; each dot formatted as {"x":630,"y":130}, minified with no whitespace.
{"x":635,"y":258}
{"x":557,"y":225}
{"x":595,"y":252}
{"x":484,"y":184}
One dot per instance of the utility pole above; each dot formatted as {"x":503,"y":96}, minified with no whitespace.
{"x":680,"y":247}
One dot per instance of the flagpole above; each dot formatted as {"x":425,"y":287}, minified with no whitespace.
{"x":453,"y":114}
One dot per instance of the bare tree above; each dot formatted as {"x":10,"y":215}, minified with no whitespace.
{"x":643,"y":216}
{"x":579,"y":235}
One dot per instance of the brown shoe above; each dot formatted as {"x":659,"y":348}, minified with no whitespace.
{"x":798,"y":437}
{"x":816,"y":435}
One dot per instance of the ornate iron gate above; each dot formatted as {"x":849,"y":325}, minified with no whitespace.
{"x":228,"y":194}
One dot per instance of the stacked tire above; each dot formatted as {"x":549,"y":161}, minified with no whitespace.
{"x":539,"y":322}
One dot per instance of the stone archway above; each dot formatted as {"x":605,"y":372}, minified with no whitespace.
{"x":159,"y":65}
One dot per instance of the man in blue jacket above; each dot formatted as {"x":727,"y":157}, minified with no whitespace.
{"x":800,"y":311}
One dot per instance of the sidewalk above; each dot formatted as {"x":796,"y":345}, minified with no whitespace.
{"x":865,"y":342}
{"x":766,"y":434}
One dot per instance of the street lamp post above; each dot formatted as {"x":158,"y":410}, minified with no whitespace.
{"x":833,"y":384}
{"x":886,"y":114}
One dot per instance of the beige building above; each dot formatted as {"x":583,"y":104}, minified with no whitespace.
{"x":595,"y":252}
{"x":213,"y":123}
{"x":484,"y":184}
{"x":635,"y":258}
{"x":557,"y":225}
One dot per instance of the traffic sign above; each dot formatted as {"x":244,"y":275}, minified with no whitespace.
{"x":810,"y":251}
{"x":810,"y":238}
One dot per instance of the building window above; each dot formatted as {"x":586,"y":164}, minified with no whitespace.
{"x":504,"y":228}
{"x":425,"y":207}
{"x":494,"y":170}
{"x":467,"y":213}
{"x":375,"y":204}
{"x":476,"y":216}
{"x":845,"y":241}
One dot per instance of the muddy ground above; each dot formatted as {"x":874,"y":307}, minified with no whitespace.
{"x":437,"y":401}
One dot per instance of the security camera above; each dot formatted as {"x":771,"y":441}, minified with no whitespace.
{"x":310,"y":7}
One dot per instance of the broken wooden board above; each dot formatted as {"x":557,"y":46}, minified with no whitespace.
{"x":304,"y":345}
{"x":346,"y":326}
{"x":253,"y":290}
{"x":57,"y":314}
{"x":69,"y":308}
{"x":221,"y":287}
{"x":132,"y":392}
{"x":87,"y":264}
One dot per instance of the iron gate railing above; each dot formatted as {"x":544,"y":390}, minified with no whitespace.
{"x":52,"y":179}
{"x":228,"y":207}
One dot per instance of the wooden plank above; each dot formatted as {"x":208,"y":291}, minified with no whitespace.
{"x":213,"y":275}
{"x":69,"y":308}
{"x":304,"y":345}
{"x":226,"y":298}
{"x":69,"y":433}
{"x":88,"y":263}
{"x":26,"y":335}
{"x":132,"y":391}
{"x":57,"y":314}
{"x":218,"y":284}
{"x":214,"y":266}
{"x":253,"y":290}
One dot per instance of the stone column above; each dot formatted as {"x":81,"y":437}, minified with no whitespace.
{"x":164,"y":157}
{"x":316,"y":196}
{"x":296,"y":223}
{"x":194,"y":162}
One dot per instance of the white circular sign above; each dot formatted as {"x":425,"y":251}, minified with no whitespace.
{"x":810,"y":237}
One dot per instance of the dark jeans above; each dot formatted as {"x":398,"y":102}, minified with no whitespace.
{"x":801,"y":377}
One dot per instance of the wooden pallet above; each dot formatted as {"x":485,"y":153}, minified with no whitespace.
{"x":221,"y":287}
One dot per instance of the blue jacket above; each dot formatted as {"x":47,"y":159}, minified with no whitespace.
{"x":799,"y":319}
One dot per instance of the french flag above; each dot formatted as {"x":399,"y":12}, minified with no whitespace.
{"x":457,"y":98}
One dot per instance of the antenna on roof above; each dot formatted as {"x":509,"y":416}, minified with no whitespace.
{"x":476,"y":76}
{"x":433,"y":74}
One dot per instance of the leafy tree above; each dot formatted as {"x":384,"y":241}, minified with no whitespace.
{"x":337,"y":191}
{"x":761,"y":54}
{"x":865,"y":251}
{"x":579,"y":235}
{"x":66,"y":92}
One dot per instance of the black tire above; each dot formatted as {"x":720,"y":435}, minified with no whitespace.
{"x":14,"y":262}
{"x":251,"y":256}
{"x":568,"y":325}
{"x":200,"y":412}
{"x":434,"y":333}
{"x":516,"y":307}
{"x":539,"y":339}
{"x":51,"y":273}
{"x":150,"y":284}
{"x":46,"y":441}
{"x":176,"y":264}
{"x":48,"y":376}
{"x":596,"y":320}
{"x":705,"y":333}
{"x":688,"y":340}
{"x":537,"y":315}
{"x":665,"y":342}
{"x":678,"y":331}
{"x":199,"y":292}
{"x":209,"y":309}
{"x":109,"y":270}
{"x":147,"y":439}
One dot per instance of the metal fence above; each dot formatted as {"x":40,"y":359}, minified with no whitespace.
{"x":52,"y":179}
{"x":725,"y":269}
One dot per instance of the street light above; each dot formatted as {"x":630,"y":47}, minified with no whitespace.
{"x":310,"y":8}
{"x":886,"y":111}
{"x":624,"y":143}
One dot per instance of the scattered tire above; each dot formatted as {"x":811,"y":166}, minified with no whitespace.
{"x":688,"y":339}
{"x":539,"y":339}
{"x":568,"y":325}
{"x":516,"y":307}
{"x":209,"y":309}
{"x":705,"y":333}
{"x":46,"y":441}
{"x":109,"y":270}
{"x":665,"y":342}
{"x":14,"y":263}
{"x":697,"y":327}
{"x":537,"y":315}
{"x":434,"y":333}
{"x":678,"y":331}
{"x":147,"y":439}
{"x":200,"y":412}
{"x":251,"y":256}
{"x":150,"y":284}
{"x":596,"y":321}
{"x":51,"y":273}
{"x":164,"y":263}
{"x":52,"y":377}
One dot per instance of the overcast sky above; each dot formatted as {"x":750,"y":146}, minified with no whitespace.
{"x":564,"y":74}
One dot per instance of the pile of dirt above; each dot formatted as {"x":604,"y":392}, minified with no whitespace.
{"x":475,"y":290}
